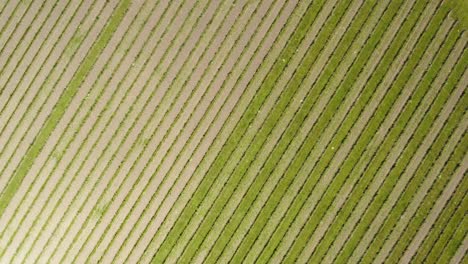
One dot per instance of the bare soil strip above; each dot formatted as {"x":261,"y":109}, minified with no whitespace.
{"x":26,"y":112}
{"x":94,"y":131}
{"x":188,"y":131}
{"x":23,"y":70}
{"x":17,"y":26}
{"x":73,"y":64}
{"x":50,"y":121}
{"x":27,"y":159}
{"x":218,"y":124}
{"x":13,"y":51}
{"x":118,"y":59}
{"x":132,"y":137}
{"x":8,"y":10}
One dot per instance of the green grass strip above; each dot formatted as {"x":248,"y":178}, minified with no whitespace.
{"x":454,"y":243}
{"x":344,"y":212}
{"x":364,"y":140}
{"x":449,"y":218}
{"x":347,"y":209}
{"x":272,"y":162}
{"x":398,"y":168}
{"x":405,"y":199}
{"x":272,"y":121}
{"x":448,"y":232}
{"x":62,"y":104}
{"x":327,"y":156}
{"x":239,"y":131}
{"x":460,"y":11}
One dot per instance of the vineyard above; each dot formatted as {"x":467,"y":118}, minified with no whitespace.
{"x":243,"y":131}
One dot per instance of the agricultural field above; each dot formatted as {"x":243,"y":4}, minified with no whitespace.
{"x":242,"y":131}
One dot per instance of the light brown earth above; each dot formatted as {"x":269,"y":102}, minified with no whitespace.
{"x":61,"y":46}
{"x":247,"y":95}
{"x":128,"y":64}
{"x":64,"y":81}
{"x":20,"y":83}
{"x":72,"y":66}
{"x":174,"y":148}
{"x":109,"y":192}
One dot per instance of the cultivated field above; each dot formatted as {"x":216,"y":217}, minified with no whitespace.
{"x":243,"y":131}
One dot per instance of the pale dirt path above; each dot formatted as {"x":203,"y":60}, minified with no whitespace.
{"x":213,"y":133}
{"x":85,"y":48}
{"x":40,"y":119}
{"x":310,"y":121}
{"x":135,"y":133}
{"x":278,"y":130}
{"x":461,"y":252}
{"x":187,"y":111}
{"x":354,"y":134}
{"x":346,"y":188}
{"x":396,"y":109}
{"x":435,"y":212}
{"x":409,"y":171}
{"x":146,"y":73}
{"x":218,"y":125}
{"x":127,"y":60}
{"x":8,"y":8}
{"x":70,"y":154}
{"x":23,"y":70}
{"x":423,"y":190}
{"x":14,"y":65}
{"x":26,"y":112}
{"x":11,"y":48}
{"x":88,"y":207}
{"x":115,"y":163}
{"x":10,"y":37}
{"x":313,"y":158}
{"x":239,"y":152}
{"x":65,"y":73}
